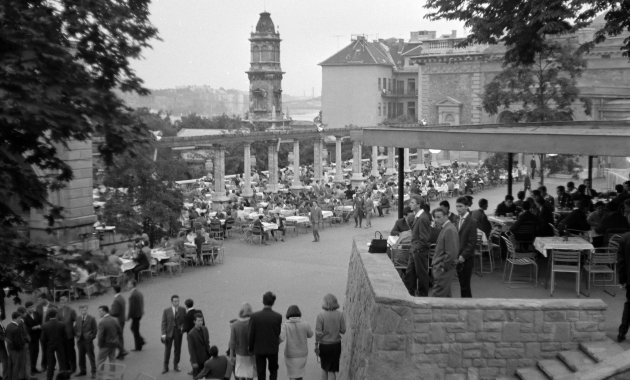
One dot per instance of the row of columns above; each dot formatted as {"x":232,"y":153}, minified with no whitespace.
{"x":318,"y":148}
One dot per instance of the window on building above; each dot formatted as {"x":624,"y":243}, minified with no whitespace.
{"x":399,"y":109}
{"x":411,"y":110}
{"x":379,"y":86}
{"x":400,"y":87}
{"x":379,"y":104}
{"x":411,"y":86}
{"x":389,"y":83}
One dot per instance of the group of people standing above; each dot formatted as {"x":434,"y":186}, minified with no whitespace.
{"x":59,"y":329}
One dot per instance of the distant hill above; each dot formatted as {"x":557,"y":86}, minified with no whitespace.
{"x":207,"y":101}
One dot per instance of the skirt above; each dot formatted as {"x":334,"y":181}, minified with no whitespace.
{"x":329,"y":356}
{"x":245,"y":366}
{"x":295,"y":367}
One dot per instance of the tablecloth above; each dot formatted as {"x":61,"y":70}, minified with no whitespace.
{"x":543,"y":244}
{"x":297,"y":219}
{"x":327,"y":214}
{"x":269,"y":226}
{"x":127,"y":264}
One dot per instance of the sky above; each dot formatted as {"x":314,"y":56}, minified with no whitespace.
{"x":205,"y":42}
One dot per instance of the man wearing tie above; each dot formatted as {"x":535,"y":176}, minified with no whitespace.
{"x":68,"y":316}
{"x":53,"y":338}
{"x":445,"y":255}
{"x":467,"y":241}
{"x":33,"y":323}
{"x":118,"y":311}
{"x":42,"y":309}
{"x":198,"y":345}
{"x":108,"y":333}
{"x":85,"y":332}
{"x":136,"y":311}
{"x":417,"y":273}
{"x":16,"y":345}
{"x":172,"y":331}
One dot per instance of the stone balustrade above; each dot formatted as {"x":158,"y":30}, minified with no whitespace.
{"x":392,"y":335}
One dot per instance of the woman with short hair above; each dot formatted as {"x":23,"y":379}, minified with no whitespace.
{"x":239,"y":341}
{"x":294,"y":333}
{"x":329,"y":326}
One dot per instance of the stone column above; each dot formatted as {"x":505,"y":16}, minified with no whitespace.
{"x":219,"y":178}
{"x":272,"y":159}
{"x":374,"y":171}
{"x":247,"y":175}
{"x":357,"y":174}
{"x":406,"y":165}
{"x":296,"y":165}
{"x":391,"y":168}
{"x":317,"y":160}
{"x":339,"y":164}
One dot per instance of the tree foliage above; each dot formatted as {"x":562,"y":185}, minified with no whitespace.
{"x":524,"y":26}
{"x":145,"y":196}
{"x":61,"y":63}
{"x":194,"y":121}
{"x":157,"y":122}
{"x":542,"y":91}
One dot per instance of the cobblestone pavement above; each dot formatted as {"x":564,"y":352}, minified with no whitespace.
{"x":299,"y":272}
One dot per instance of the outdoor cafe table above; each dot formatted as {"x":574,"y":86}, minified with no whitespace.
{"x":285,"y":212}
{"x":327,"y":214}
{"x":269,"y":226}
{"x":162,"y":254}
{"x":248,"y":210}
{"x":127,"y":264}
{"x":297,"y":219}
{"x":545,"y":244}
{"x":345,"y":208}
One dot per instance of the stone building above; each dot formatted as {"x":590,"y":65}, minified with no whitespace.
{"x":432,"y":79}
{"x":265,"y":75}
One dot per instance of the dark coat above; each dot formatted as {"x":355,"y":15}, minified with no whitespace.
{"x":118,"y":309}
{"x":40,"y":310}
{"x":171,"y":322}
{"x":623,"y":258}
{"x":189,"y":319}
{"x":421,"y":233}
{"x":401,"y":225}
{"x":264,"y":332}
{"x":53,"y":334}
{"x":108,"y":332}
{"x":85,"y":330}
{"x":67,"y":316}
{"x":14,"y":337}
{"x":483,"y":223}
{"x":136,"y":304}
{"x":30,"y":322}
{"x":468,"y":238}
{"x":199,"y":345}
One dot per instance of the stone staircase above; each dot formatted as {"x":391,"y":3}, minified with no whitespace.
{"x":593,"y":360}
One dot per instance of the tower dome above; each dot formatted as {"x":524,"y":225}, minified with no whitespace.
{"x":265,"y":25}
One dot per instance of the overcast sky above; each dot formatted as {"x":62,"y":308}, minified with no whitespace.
{"x":205,"y":42}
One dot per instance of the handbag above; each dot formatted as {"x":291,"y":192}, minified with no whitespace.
{"x":378,"y":244}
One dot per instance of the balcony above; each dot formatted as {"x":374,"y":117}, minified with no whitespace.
{"x":399,"y":94}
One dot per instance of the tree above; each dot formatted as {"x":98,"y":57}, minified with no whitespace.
{"x":542,"y":91}
{"x":146,"y":198}
{"x":61,"y":63}
{"x":156,"y":122}
{"x":524,"y":26}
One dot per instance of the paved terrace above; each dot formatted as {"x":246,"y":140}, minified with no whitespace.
{"x":300,"y":272}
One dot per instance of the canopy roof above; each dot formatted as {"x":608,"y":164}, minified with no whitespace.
{"x":593,"y":138}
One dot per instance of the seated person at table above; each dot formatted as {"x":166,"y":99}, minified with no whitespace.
{"x":545,"y":215}
{"x":481,"y":218}
{"x":280,"y":222}
{"x":130,"y":252}
{"x":520,"y":198}
{"x":385,"y":205}
{"x":580,"y":195}
{"x":142,"y":260}
{"x":403,"y":224}
{"x":614,"y":220}
{"x":258,"y":226}
{"x":576,"y":219}
{"x":216,"y":367}
{"x":594,"y":220}
{"x":506,"y":207}
{"x":563,"y":199}
{"x":525,"y":227}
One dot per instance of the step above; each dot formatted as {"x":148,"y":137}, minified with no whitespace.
{"x":576,"y":360}
{"x":601,"y":350}
{"x":553,"y":368}
{"x":530,"y":373}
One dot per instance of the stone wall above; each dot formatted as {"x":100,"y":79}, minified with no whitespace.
{"x":393,"y":335}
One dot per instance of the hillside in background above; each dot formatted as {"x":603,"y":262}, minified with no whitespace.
{"x":207,"y":101}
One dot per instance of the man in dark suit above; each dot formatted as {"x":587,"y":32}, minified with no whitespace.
{"x":16,"y":344}
{"x":172,"y":331}
{"x":403,"y":224}
{"x":264,"y":337}
{"x":445,"y":255}
{"x":4,"y":356}
{"x":198,"y":344}
{"x":117,"y":311}
{"x":42,"y":309}
{"x":53,"y":339}
{"x":67,"y":316}
{"x":108,"y":334}
{"x":136,"y":311}
{"x":623,"y":269}
{"x":85,"y":331}
{"x":316,"y":219}
{"x":189,"y":319}
{"x":467,"y":229}
{"x":33,"y":322}
{"x":481,"y":218}
{"x":417,"y":273}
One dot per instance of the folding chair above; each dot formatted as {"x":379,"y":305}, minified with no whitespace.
{"x":565,"y":262}
{"x":483,"y":247}
{"x":518,"y":259}
{"x":601,"y":261}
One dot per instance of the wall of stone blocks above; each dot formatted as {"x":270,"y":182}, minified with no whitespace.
{"x":393,"y":335}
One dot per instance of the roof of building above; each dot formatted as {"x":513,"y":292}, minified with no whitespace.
{"x":265,"y":25}
{"x":361,"y":52}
